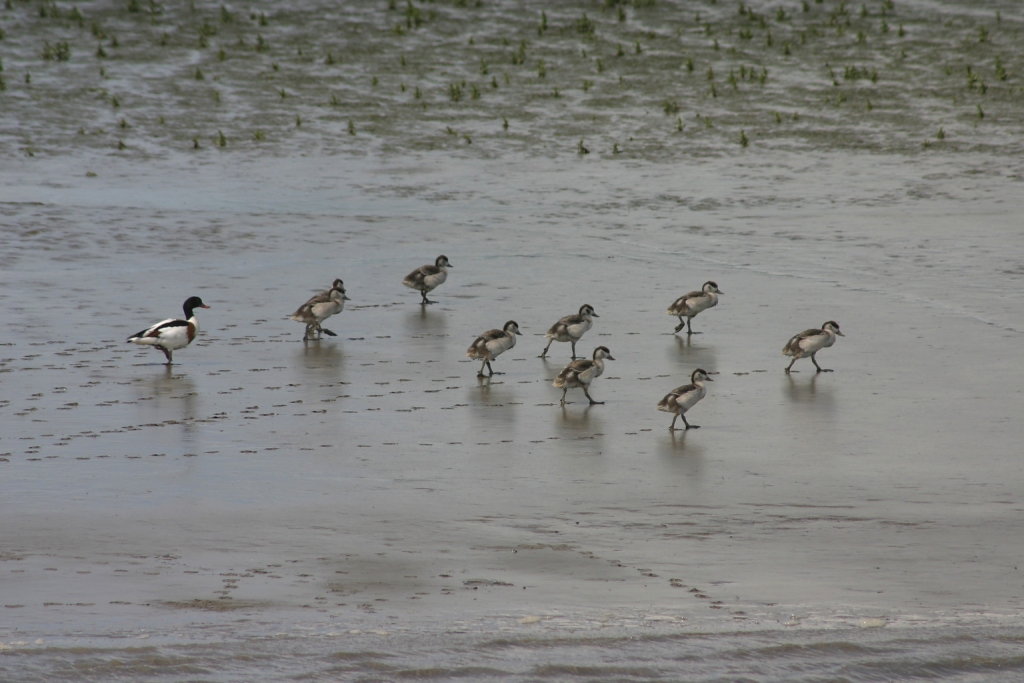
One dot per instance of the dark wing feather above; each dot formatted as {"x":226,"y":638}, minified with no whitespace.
{"x":321,"y":298}
{"x":679,"y":391}
{"x":574,"y":319}
{"x":155,"y":330}
{"x":306,"y":309}
{"x":577,"y":367}
{"x":491,"y":335}
{"x":478,"y":349}
{"x":794,"y":343}
{"x":417,"y":276}
{"x":680,"y":303}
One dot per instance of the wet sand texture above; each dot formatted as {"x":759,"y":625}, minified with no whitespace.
{"x":364,"y":505}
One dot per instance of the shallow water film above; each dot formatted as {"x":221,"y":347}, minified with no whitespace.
{"x":364,"y":506}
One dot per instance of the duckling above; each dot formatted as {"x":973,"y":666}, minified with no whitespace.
{"x":809,"y":342}
{"x":681,"y":399}
{"x":171,"y":334}
{"x":581,"y":373}
{"x":693,"y":303}
{"x":570,"y":328}
{"x":427,"y":278}
{"x":492,"y":344}
{"x":321,"y":307}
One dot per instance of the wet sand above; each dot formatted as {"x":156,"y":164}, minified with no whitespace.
{"x":262,"y":474}
{"x":365,"y":503}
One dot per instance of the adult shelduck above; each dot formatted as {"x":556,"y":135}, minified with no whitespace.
{"x":321,"y":307}
{"x":681,"y":399}
{"x":809,"y":342}
{"x":689,"y":305}
{"x":570,"y":328}
{"x":427,"y":278}
{"x":492,"y":344}
{"x":168,"y":335}
{"x":582,"y":373}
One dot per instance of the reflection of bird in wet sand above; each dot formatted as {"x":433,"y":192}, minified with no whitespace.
{"x":689,"y":305}
{"x":319,"y":308}
{"x":681,"y":399}
{"x":809,"y":342}
{"x":172,"y":393}
{"x":807,"y":392}
{"x":581,"y":373}
{"x":492,"y":344}
{"x":321,"y":357}
{"x":427,"y":278}
{"x":171,"y":334}
{"x":575,"y":419}
{"x":570,"y":328}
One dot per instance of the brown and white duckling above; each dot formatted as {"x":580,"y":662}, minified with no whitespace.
{"x":171,"y":334}
{"x":581,"y":373}
{"x":427,"y":278}
{"x":492,"y":344}
{"x":319,"y":308}
{"x":570,"y":328}
{"x":809,"y":342}
{"x":681,"y":399}
{"x":689,"y":305}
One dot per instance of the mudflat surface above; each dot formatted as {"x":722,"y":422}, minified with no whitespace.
{"x":365,"y":505}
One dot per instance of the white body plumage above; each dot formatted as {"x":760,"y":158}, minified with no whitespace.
{"x":689,"y":305}
{"x":172,"y":334}
{"x":581,"y":373}
{"x":571,"y":328}
{"x":492,"y":344}
{"x":809,"y":342}
{"x":681,"y":399}
{"x":427,"y":278}
{"x":321,"y":307}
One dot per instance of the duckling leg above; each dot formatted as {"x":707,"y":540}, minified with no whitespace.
{"x":573,"y":348}
{"x":544,"y":353}
{"x":492,"y":370}
{"x":482,"y":366}
{"x":688,"y":425}
{"x":564,"y":389}
{"x":791,"y":364}
{"x":309,"y":330}
{"x":689,"y":330}
{"x":672,"y":427}
{"x":166,"y":353}
{"x":681,"y":325}
{"x":328,"y":332}
{"x":592,"y":401}
{"x":425,"y":299}
{"x":820,"y":369}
